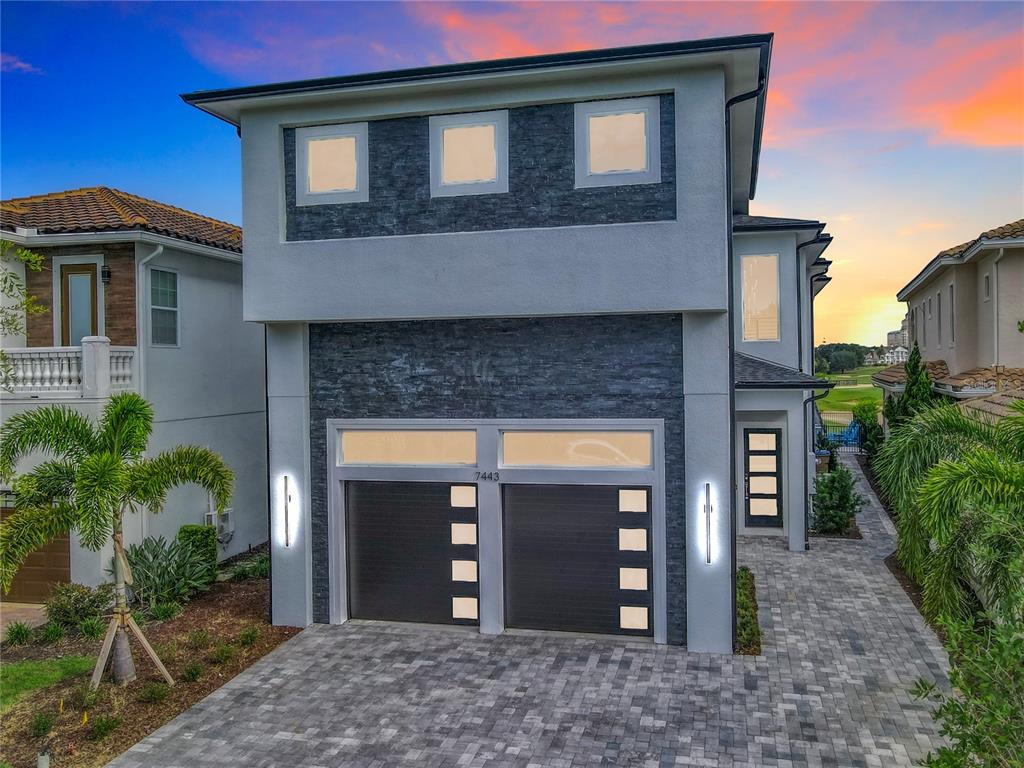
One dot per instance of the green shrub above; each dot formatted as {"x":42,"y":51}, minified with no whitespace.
{"x":748,"y":631}
{"x":167,"y":651}
{"x":871,"y":433}
{"x":70,"y":604}
{"x":18,"y":633}
{"x":139,"y":617}
{"x":42,"y":724}
{"x":192,"y":672}
{"x":102,"y":725}
{"x":248,"y":637}
{"x":222,"y":654}
{"x":84,"y":697}
{"x":165,"y":611}
{"x":198,"y":639}
{"x":836,"y":503}
{"x":92,"y":628}
{"x":154,"y":693}
{"x":984,"y":717}
{"x":51,"y":632}
{"x":203,"y":540}
{"x":166,"y":572}
{"x":257,"y":568}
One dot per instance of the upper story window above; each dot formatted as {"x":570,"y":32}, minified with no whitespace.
{"x":952,"y":315}
{"x":938,"y":318}
{"x":929,"y":307}
{"x":924,"y":327}
{"x":331,"y":164}
{"x":469,"y":154}
{"x":760,"y":280}
{"x":163,"y":303}
{"x":988,"y":288}
{"x":618,"y":142}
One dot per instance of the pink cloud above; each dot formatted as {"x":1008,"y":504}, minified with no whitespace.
{"x":11,"y":63}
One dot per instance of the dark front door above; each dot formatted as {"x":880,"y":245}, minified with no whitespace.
{"x":78,"y":305}
{"x":578,"y":558}
{"x":412,"y":551}
{"x":762,"y":466}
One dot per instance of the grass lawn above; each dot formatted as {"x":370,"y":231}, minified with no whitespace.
{"x":24,"y":676}
{"x":862,"y":375}
{"x":844,"y":398}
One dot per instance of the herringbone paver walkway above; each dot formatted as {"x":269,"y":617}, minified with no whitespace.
{"x":842,"y":645}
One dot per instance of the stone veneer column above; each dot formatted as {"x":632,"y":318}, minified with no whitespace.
{"x":288,"y":438}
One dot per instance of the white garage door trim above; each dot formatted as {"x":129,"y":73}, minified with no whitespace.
{"x":489,"y":474}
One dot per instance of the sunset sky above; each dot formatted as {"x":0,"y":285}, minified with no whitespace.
{"x":900,"y":124}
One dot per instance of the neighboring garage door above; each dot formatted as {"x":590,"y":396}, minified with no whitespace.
{"x":41,"y":570}
{"x":412,"y":551}
{"x":578,"y":558}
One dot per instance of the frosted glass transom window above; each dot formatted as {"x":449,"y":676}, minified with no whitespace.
{"x":409,"y":446}
{"x":576,"y":449}
{"x":760,"y":280}
{"x":469,"y":154}
{"x":618,"y":142}
{"x":331,"y":164}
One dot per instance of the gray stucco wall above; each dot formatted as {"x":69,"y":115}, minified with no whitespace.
{"x":580,"y":367}
{"x":541,"y":177}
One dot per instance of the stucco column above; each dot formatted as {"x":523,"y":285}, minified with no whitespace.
{"x":288,"y":439}
{"x":95,"y":366}
{"x":708,"y":431}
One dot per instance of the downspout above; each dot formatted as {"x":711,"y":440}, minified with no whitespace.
{"x":140,"y":341}
{"x":818,"y":240}
{"x":762,"y":80}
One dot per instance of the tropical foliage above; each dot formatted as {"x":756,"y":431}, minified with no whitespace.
{"x":16,"y":303}
{"x":71,"y":604}
{"x":96,"y":474}
{"x":957,"y":484}
{"x":865,"y":413}
{"x":166,"y":572}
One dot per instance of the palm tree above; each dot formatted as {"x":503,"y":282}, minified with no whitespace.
{"x":96,"y":475}
{"x":957,"y":483}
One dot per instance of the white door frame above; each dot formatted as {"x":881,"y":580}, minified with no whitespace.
{"x":489,"y":509}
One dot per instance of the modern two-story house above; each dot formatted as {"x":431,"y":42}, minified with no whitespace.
{"x":965,"y":311}
{"x":531,"y":363}
{"x":145,"y":297}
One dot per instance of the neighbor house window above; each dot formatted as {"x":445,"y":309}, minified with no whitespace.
{"x":163,"y":302}
{"x":987,"y":288}
{"x":952,"y":315}
{"x":760,"y":280}
{"x":618,"y":142}
{"x":938,"y":318}
{"x":331,"y":164}
{"x":924,"y":327}
{"x":469,"y":154}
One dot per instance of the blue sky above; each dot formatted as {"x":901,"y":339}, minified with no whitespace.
{"x":902,"y":125}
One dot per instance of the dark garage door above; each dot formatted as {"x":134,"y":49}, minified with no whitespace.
{"x":578,"y":558}
{"x":412,"y":551}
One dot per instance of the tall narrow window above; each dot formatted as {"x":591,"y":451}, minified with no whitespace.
{"x":952,"y":315}
{"x":331,"y":164}
{"x":618,"y":142}
{"x":987,"y":292}
{"x":760,"y":280}
{"x":924,"y":327}
{"x":938,"y":318}
{"x":163,"y":302}
{"x":469,"y":154}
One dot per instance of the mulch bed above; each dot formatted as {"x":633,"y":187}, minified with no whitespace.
{"x":223,"y":612}
{"x":853,"y":532}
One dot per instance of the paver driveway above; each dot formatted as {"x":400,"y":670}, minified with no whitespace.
{"x":841,"y":646}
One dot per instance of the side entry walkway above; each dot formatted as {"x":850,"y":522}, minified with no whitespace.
{"x":842,"y":647}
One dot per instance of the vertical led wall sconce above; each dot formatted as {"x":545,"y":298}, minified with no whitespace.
{"x":707,"y":517}
{"x":288,"y":526}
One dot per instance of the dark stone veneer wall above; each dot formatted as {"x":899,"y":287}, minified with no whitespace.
{"x":626,"y":366}
{"x":541,"y":181}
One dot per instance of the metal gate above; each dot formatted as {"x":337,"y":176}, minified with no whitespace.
{"x":840,"y":430}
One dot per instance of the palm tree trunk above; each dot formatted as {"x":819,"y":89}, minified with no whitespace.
{"x":124,"y":664}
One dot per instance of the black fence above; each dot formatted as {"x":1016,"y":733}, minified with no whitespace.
{"x":841,"y":431}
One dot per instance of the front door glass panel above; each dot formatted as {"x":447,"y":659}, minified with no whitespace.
{"x":762,"y":463}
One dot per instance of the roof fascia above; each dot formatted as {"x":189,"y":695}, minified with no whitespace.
{"x":125,"y":236}
{"x":937,"y":265}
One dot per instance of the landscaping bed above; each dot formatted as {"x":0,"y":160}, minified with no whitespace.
{"x":216,"y":636}
{"x":748,"y":631}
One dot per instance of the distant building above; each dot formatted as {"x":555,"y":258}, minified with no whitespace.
{"x":895,"y":355}
{"x":899,"y":338}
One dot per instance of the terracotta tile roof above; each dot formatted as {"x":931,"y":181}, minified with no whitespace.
{"x":102,"y":209}
{"x":897,"y":374}
{"x":993,"y":407}
{"x":984,"y":378}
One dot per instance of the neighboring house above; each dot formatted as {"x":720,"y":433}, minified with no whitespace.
{"x":504,"y":304}
{"x":964,"y":311}
{"x":143,"y":297}
{"x":898,"y":338}
{"x":895,"y":355}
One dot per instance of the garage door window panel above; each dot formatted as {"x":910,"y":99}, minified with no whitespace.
{"x":412,"y":447}
{"x":585,"y":449}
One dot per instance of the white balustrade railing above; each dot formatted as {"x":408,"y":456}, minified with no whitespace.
{"x":94,"y":369}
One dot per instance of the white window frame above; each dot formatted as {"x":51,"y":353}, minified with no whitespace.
{"x":778,"y":300}
{"x":303,"y":136}
{"x":585,"y":110}
{"x":176,"y":310}
{"x":499,"y":119}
